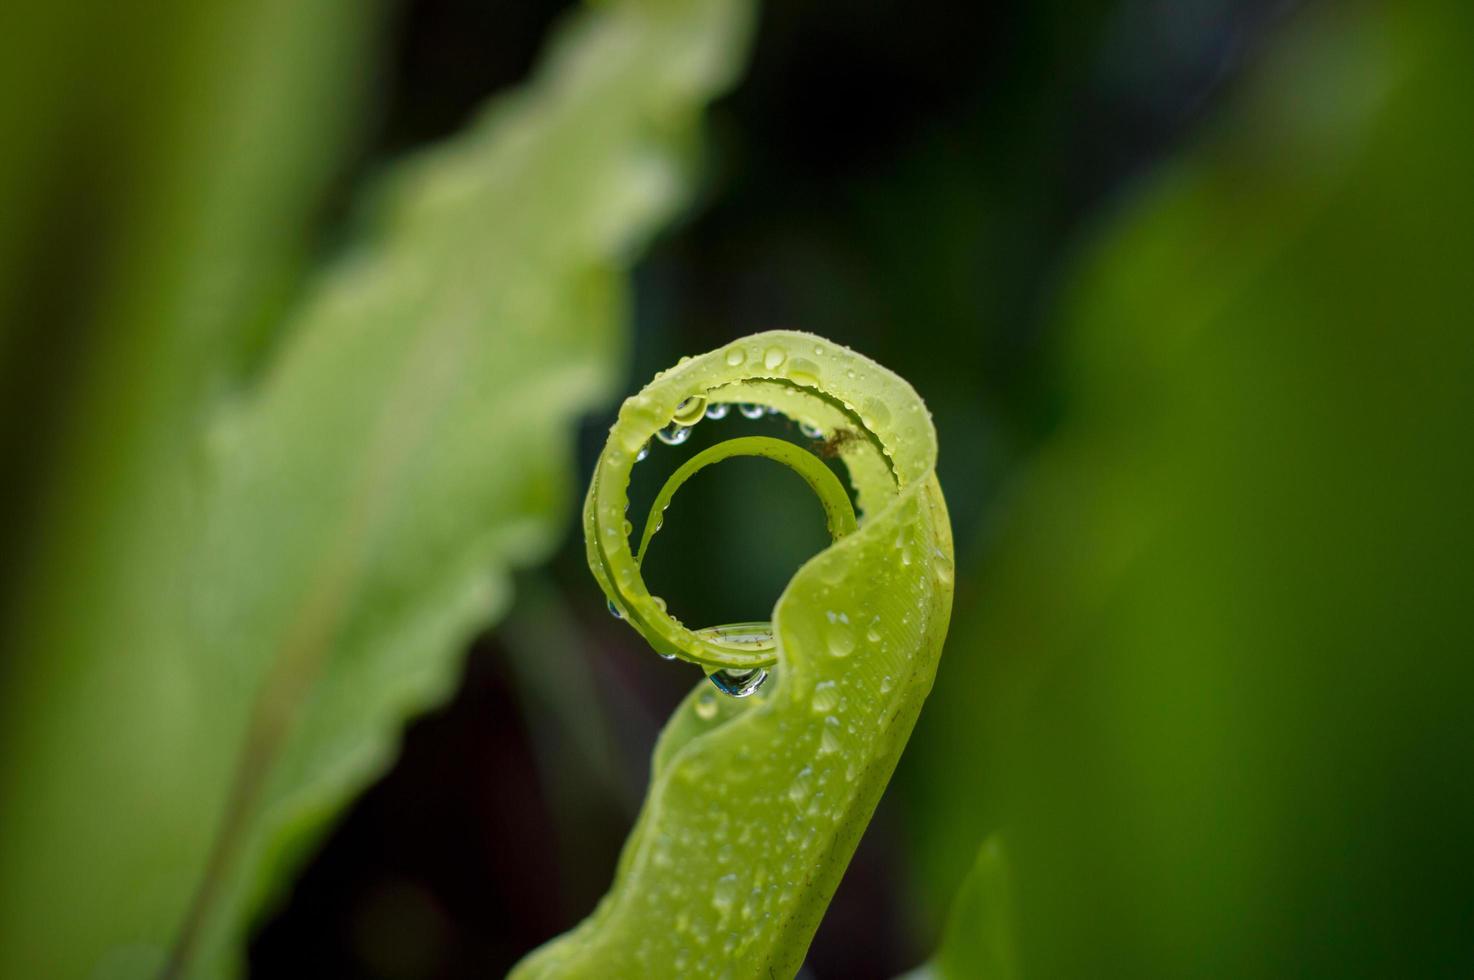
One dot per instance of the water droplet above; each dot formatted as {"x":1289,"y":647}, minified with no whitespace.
{"x":841,"y":641}
{"x":735,"y":356}
{"x":774,"y":357}
{"x":876,"y":411}
{"x":873,"y":635}
{"x":628,"y":528}
{"x":665,"y":656}
{"x":802,"y":786}
{"x":674,"y":434}
{"x":738,"y":683}
{"x":725,"y":893}
{"x":886,"y":684}
{"x":943,"y":572}
{"x":812,"y":431}
{"x":718,"y":411}
{"x":806,"y":378}
{"x":706,"y":706}
{"x":614,"y":610}
{"x":819,"y":349}
{"x":829,"y":740}
{"x":644,"y":451}
{"x":850,"y":374}
{"x":659,"y":602}
{"x":750,"y":411}
{"x":826,"y":696}
{"x":690,"y":411}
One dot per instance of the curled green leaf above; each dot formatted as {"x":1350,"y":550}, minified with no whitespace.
{"x":756,"y":804}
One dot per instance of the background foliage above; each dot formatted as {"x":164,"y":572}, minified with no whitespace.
{"x":1186,"y":286}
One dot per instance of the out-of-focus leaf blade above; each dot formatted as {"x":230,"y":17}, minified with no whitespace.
{"x":1217,"y":677}
{"x":155,"y":174}
{"x":979,"y":941}
{"x":345,"y":521}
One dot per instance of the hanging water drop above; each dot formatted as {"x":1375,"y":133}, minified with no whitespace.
{"x":826,"y":697}
{"x":751,"y":411}
{"x":674,"y":434}
{"x":614,"y":610}
{"x":812,"y":431}
{"x":718,"y":411}
{"x":738,"y":683}
{"x":644,"y":451}
{"x":690,"y":411}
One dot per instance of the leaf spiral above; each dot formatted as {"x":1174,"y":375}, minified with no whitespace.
{"x":755,"y":806}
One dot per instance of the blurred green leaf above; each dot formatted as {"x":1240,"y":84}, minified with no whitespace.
{"x":1218,"y":668}
{"x":979,"y":941}
{"x":249,"y":587}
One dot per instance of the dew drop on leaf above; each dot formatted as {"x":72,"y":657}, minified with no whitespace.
{"x":802,"y":786}
{"x":829,"y":740}
{"x":841,"y":641}
{"x":706,"y":706}
{"x":725,"y":892}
